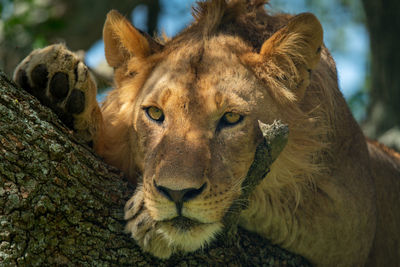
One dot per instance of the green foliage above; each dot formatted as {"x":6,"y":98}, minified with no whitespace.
{"x":21,"y":19}
{"x":26,"y":25}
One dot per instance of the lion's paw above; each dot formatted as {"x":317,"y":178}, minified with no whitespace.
{"x":61,"y":81}
{"x":144,"y":229}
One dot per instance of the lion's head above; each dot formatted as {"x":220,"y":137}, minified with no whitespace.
{"x":185,"y":113}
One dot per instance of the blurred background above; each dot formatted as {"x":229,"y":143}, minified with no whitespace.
{"x":361,"y":34}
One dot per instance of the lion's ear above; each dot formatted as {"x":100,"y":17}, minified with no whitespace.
{"x":123,"y":41}
{"x":296,"y":49}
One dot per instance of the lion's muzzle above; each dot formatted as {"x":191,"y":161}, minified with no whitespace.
{"x":179,"y":196}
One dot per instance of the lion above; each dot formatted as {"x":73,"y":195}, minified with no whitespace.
{"x":182,"y":124}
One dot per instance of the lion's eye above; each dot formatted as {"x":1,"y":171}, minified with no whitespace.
{"x":155,"y":114}
{"x":230,"y":119}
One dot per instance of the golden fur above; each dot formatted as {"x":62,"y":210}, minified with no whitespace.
{"x":329,"y":197}
{"x":319,"y":200}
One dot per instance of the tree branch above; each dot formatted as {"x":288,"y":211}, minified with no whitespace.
{"x":61,"y":205}
{"x":274,"y":141}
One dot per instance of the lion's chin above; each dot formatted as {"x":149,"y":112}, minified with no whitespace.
{"x":183,"y":223}
{"x":187,"y":235}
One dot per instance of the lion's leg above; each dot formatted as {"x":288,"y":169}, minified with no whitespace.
{"x":61,"y":81}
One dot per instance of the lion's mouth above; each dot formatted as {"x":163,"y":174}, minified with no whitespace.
{"x":183,"y":223}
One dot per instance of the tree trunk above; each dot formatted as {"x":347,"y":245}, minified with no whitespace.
{"x":384,"y":108}
{"x":61,"y":205}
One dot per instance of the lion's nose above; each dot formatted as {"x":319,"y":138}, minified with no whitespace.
{"x":180,"y":196}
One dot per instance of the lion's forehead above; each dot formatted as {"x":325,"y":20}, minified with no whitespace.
{"x":205,"y":81}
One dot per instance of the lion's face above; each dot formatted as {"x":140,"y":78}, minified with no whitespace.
{"x":186,"y":115}
{"x":196,"y":127}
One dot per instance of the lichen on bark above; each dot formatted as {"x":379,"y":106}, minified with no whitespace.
{"x":60,"y":204}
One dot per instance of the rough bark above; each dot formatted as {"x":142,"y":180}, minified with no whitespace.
{"x":61,"y":205}
{"x":384,"y":109}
